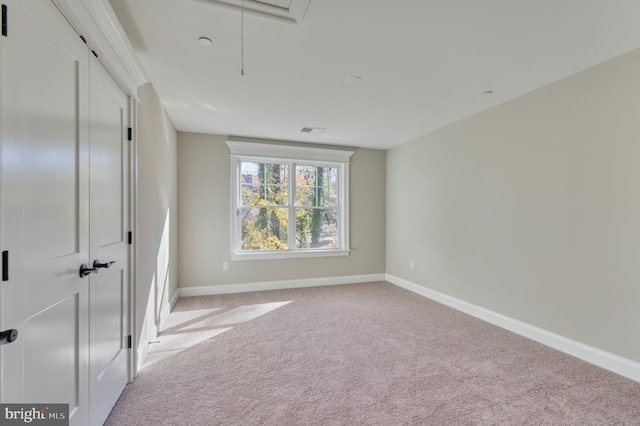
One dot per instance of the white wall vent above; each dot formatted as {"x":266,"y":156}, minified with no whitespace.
{"x":288,"y":10}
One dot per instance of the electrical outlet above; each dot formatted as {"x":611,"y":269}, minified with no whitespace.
{"x":225,"y":266}
{"x":411,"y":264}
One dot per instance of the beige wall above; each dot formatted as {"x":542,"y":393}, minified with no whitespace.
{"x":532,"y":209}
{"x":205,"y":215}
{"x":156,"y":233}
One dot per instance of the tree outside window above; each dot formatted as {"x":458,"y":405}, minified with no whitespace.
{"x":289,"y":206}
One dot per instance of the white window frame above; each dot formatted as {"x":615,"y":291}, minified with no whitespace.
{"x":259,"y":152}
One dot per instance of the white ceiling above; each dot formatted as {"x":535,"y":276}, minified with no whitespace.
{"x":423,"y":63}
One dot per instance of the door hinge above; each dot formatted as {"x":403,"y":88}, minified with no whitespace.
{"x":84,"y":40}
{"x":129,"y":134}
{"x":129,"y":341}
{"x":4,"y":20}
{"x":130,"y":238}
{"x":5,"y":266}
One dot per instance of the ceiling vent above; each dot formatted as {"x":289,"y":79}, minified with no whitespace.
{"x":288,"y":10}
{"x":312,"y":130}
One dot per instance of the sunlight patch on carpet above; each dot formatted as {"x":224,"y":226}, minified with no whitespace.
{"x":172,"y":344}
{"x":186,"y":329}
{"x":238,"y":315}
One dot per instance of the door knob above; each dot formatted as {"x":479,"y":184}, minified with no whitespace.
{"x":9,"y":335}
{"x":98,"y":265}
{"x":85,"y":270}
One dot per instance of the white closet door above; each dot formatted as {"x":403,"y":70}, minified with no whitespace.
{"x":64,"y":202}
{"x":109,"y":224}
{"x":45,"y":208}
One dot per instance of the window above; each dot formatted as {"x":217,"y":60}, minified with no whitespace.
{"x":288,"y":201}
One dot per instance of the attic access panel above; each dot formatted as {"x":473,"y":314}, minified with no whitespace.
{"x":288,"y":10}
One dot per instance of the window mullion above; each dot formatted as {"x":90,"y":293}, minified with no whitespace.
{"x":291,"y":227}
{"x":236,"y":195}
{"x":343,"y":205}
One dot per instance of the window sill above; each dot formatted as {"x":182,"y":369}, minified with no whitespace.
{"x":271,"y":255}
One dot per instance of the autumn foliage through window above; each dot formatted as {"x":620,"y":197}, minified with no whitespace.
{"x":288,"y":201}
{"x":279,"y":199}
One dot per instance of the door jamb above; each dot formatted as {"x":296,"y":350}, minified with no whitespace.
{"x":133,"y":226}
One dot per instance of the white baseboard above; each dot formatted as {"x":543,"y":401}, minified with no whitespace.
{"x":165,"y":310}
{"x":143,"y":351}
{"x":623,"y":366}
{"x":174,"y":299}
{"x":276,"y":285}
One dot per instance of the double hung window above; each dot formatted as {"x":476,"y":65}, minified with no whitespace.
{"x":288,"y":201}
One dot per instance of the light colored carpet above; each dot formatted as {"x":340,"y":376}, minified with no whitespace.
{"x":360,"y":354}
